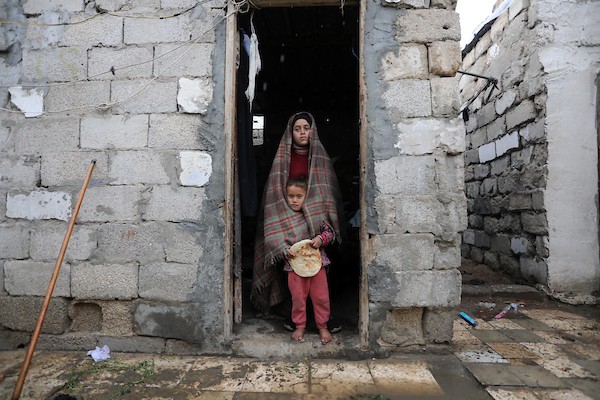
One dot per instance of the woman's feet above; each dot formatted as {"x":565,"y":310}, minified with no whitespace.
{"x":325,"y":335}
{"x":298,"y":335}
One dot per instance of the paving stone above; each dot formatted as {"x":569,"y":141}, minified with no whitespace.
{"x":591,"y":365}
{"x":464,"y":337}
{"x":512,"y":394}
{"x":535,"y":376}
{"x":410,"y":377}
{"x":565,"y":394}
{"x":504,"y":323}
{"x":479,"y":354}
{"x":582,"y":351}
{"x":589,"y":337}
{"x":565,"y":368}
{"x":587,"y":386}
{"x":573,"y":324}
{"x":543,"y":314}
{"x":554,"y":337}
{"x":493,"y":374}
{"x":532,"y":324}
{"x":512,"y":350}
{"x":232,"y":374}
{"x":277,"y":377}
{"x":491,"y":336}
{"x":519,"y":335}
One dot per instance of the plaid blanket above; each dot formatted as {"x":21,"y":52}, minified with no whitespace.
{"x":279,"y":227}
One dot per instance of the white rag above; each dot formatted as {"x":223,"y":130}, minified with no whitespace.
{"x":254,"y":63}
{"x":100,"y":354}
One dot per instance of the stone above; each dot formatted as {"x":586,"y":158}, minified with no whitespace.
{"x":103,"y":30}
{"x":177,"y":131}
{"x":197,"y":61}
{"x":437,"y":325}
{"x":406,"y":3}
{"x":425,"y":136}
{"x":491,"y":260}
{"x":135,"y":344}
{"x":534,"y":132}
{"x":506,"y":143}
{"x":542,"y":247}
{"x":537,"y":200}
{"x":154,"y":31}
{"x":86,"y":317}
{"x":69,"y":168}
{"x":482,"y":171}
{"x":46,"y":241}
{"x":500,"y":165}
{"x":520,"y":245}
{"x":169,"y":203}
{"x":510,"y":264}
{"x":182,"y":243}
{"x":491,"y":225}
{"x":37,"y":7}
{"x":444,"y":97}
{"x":516,"y":7}
{"x":19,"y":172}
{"x":39,"y":205}
{"x":423,"y":26}
{"x":447,"y":256}
{"x":403,"y":327}
{"x":410,"y":62}
{"x":482,"y":239}
{"x":407,"y":98}
{"x":444,"y":58}
{"x":21,"y":314}
{"x":450,"y":174}
{"x":478,"y":138}
{"x":471,"y":157}
{"x":144,"y":96}
{"x":117,"y":318}
{"x":520,"y":201}
{"x":535,"y":223}
{"x":194,"y":95}
{"x":483,"y":44}
{"x":496,"y":129}
{"x":486,"y":115}
{"x":417,"y":249}
{"x":14,"y":242}
{"x":103,"y":60}
{"x":501,"y":243}
{"x":31,"y":278}
{"x":125,"y":243}
{"x":47,"y":134}
{"x":476,"y":254}
{"x":524,"y":112}
{"x":55,"y":64}
{"x":120,"y":281}
{"x":534,"y":268}
{"x":487,"y":152}
{"x":119,"y":132}
{"x":475,"y":221}
{"x":30,"y":101}
{"x":111,"y":204}
{"x":171,"y":321}
{"x":135,"y":167}
{"x":489,"y":186}
{"x":196,"y":168}
{"x":391,"y":179}
{"x":498,"y":27}
{"x":168,"y":282}
{"x":521,"y":158}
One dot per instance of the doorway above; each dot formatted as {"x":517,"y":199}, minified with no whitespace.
{"x":310,"y":62}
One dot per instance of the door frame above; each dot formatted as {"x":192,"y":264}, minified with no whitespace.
{"x":231,"y":283}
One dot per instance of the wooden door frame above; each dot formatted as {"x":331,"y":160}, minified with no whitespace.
{"x":231,"y":283}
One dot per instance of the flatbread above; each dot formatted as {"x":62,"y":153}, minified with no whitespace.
{"x":307,"y":261}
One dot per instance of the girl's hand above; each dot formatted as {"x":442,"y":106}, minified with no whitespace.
{"x":289,"y":253}
{"x":317,"y":242}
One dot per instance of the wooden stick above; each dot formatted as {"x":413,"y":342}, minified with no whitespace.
{"x":36,"y":332}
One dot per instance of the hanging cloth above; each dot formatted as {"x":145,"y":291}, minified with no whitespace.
{"x":255,"y":63}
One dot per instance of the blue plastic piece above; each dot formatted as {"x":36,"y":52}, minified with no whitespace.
{"x":470,"y":320}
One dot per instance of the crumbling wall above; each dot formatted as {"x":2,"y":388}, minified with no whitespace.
{"x":531,"y":177}
{"x":415,"y":169}
{"x":131,"y":85}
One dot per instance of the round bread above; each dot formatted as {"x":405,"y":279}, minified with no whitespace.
{"x":307,"y":261}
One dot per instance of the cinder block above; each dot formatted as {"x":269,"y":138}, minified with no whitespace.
{"x":439,"y":288}
{"x":408,"y":98}
{"x":471,"y":157}
{"x":114,"y":132}
{"x":478,"y":138}
{"x":487,"y":152}
{"x":506,"y":143}
{"x":505,"y":101}
{"x":139,"y":96}
{"x":117,"y":317}
{"x":177,"y":131}
{"x":500,"y":165}
{"x":31,"y":278}
{"x":521,"y":114}
{"x":424,"y":136}
{"x":103,"y":30}
{"x":482,"y":239}
{"x":111,"y":204}
{"x":172,"y":203}
{"x":55,"y":64}
{"x":105,"y":281}
{"x":520,"y":201}
{"x":533,"y":132}
{"x":46,"y":241}
{"x":182,"y":243}
{"x":21,"y":314}
{"x":168,"y":281}
{"x":447,"y":256}
{"x":542,"y":246}
{"x":39,"y":205}
{"x":2,"y":290}
{"x":195,"y":95}
{"x":426,"y":26}
{"x":417,"y":249}
{"x":391,"y":179}
{"x":537,"y":269}
{"x":176,"y":321}
{"x":69,"y":168}
{"x":486,"y":114}
{"x":410,"y":62}
{"x":35,"y":136}
{"x":38,"y":7}
{"x":134,"y":344}
{"x":2,"y":206}
{"x":535,"y":223}
{"x":469,"y":236}
{"x":501,"y":243}
{"x":472,"y":189}
{"x":196,"y":62}
{"x":14,"y":241}
{"x":69,"y":98}
{"x":495,"y":129}
{"x":413,"y":214}
{"x":139,"y":5}
{"x":444,"y":58}
{"x":482,"y":171}
{"x":437,"y":325}
{"x":103,"y":59}
{"x":168,"y":30}
{"x":134,"y":167}
{"x":445,"y":100}
{"x":450,"y":174}
{"x":19,"y":172}
{"x":122,"y":243}
{"x":403,"y":327}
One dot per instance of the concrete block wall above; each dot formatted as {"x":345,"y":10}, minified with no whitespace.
{"x":530,"y":180}
{"x":506,"y":157}
{"x":417,"y":169}
{"x":136,"y":95}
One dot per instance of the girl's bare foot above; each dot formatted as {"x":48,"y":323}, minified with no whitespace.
{"x":298,"y":335}
{"x":325,"y":335}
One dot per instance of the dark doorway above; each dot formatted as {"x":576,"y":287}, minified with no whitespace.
{"x":309,"y":63}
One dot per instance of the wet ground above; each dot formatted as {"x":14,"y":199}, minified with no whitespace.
{"x":544,"y":350}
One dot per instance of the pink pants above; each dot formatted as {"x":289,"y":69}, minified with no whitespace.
{"x":315,"y":287}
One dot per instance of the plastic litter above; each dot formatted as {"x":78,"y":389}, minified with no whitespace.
{"x":466,"y":317}
{"x":506,"y":309}
{"x":100,"y":353}
{"x":487,"y":304}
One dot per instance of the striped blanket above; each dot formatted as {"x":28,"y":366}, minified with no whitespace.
{"x":279,"y":227}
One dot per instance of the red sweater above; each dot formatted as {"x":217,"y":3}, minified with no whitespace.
{"x":298,"y":165}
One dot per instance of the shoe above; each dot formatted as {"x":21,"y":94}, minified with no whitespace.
{"x":289,"y":325}
{"x":333,"y":326}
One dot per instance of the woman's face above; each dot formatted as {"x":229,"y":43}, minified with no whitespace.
{"x":301,"y":132}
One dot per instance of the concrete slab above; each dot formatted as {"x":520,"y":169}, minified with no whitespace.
{"x":408,"y":377}
{"x":512,"y":394}
{"x":521,"y":335}
{"x":587,"y":386}
{"x":491,"y":336}
{"x":582,"y":351}
{"x":464,"y":337}
{"x":512,"y":350}
{"x":492,"y":374}
{"x":505,"y":324}
{"x":479,"y":354}
{"x":565,"y":368}
{"x":573,"y":324}
{"x":553,"y":337}
{"x":342,"y":378}
{"x":535,"y":376}
{"x":276,"y":377}
{"x":565,"y":394}
{"x":532,"y":324}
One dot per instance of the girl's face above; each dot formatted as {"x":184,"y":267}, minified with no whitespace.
{"x":301,"y":132}
{"x":295,"y":197}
